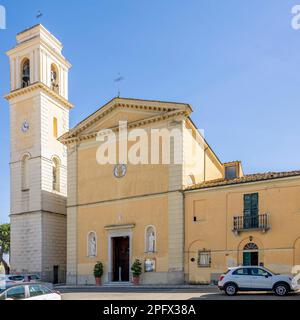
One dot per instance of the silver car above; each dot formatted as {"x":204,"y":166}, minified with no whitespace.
{"x":253,"y":278}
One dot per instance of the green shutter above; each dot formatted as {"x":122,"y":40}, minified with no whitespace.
{"x":251,"y":205}
{"x":247,"y":205}
{"x":254,"y":205}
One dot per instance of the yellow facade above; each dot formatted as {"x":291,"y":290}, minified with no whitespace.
{"x":215,"y":208}
{"x":190,"y":206}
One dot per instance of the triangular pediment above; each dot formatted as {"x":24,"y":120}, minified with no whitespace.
{"x":133,"y":111}
{"x":117,"y":115}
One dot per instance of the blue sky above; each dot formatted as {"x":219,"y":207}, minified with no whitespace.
{"x":236,"y":62}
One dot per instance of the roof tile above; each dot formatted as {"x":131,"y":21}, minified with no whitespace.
{"x":245,"y":179}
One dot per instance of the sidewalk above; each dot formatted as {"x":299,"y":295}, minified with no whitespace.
{"x":131,"y":286}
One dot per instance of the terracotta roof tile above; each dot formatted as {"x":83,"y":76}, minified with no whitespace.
{"x":245,"y":179}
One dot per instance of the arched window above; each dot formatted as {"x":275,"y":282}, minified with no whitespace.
{"x":92,"y":244}
{"x":25,"y":172}
{"x":150,"y":239}
{"x":54,"y":78}
{"x":56,"y":174}
{"x":250,"y":246}
{"x":25,"y":70}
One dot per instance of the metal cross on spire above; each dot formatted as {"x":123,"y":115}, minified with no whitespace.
{"x":118,"y":80}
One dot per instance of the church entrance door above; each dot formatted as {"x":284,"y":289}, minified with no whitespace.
{"x":120,"y":261}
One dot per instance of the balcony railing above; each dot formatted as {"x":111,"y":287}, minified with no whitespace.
{"x":259,"y":222}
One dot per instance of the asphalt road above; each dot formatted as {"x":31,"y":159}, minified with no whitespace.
{"x":207,"y":293}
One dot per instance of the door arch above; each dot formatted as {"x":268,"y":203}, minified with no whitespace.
{"x":197,"y":274}
{"x":250,"y":254}
{"x":251,"y":244}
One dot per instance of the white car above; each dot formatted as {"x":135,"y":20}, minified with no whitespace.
{"x":29,"y":291}
{"x":252,"y":278}
{"x":12,"y":279}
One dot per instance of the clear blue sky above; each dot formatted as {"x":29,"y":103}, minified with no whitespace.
{"x":237,"y":62}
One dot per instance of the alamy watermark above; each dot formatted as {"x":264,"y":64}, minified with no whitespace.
{"x":174,"y":145}
{"x":295,"y":22}
{"x":2,"y":17}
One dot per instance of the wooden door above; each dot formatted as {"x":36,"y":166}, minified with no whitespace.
{"x":121,"y":259}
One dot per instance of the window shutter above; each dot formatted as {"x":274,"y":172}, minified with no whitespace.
{"x":247,"y":205}
{"x":251,"y":205}
{"x":254,"y":204}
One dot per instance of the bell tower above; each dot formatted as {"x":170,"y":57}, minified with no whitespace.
{"x":39,"y":114}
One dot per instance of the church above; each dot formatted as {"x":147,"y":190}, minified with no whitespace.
{"x":187,"y":220}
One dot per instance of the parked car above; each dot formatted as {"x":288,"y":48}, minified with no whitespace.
{"x":253,"y":278}
{"x":32,"y":277}
{"x":29,"y":291}
{"x":12,"y":279}
{"x":2,"y":282}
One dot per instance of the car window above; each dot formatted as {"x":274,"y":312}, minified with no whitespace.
{"x":34,"y":277}
{"x":36,"y":290}
{"x":16,"y":293}
{"x":16,"y":278}
{"x":241,"y":272}
{"x":259,"y":272}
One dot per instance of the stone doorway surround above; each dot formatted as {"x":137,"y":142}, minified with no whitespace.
{"x":116,"y":231}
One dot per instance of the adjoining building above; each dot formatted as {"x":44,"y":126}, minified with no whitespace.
{"x":249,"y":220}
{"x":186,"y":220}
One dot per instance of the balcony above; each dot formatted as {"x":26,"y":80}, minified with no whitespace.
{"x":259,"y":222}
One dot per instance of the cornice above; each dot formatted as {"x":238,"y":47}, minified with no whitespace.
{"x":132,"y":125}
{"x":36,"y":86}
{"x":42,"y":45}
{"x":123,"y":103}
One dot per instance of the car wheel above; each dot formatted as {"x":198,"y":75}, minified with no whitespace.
{"x":231,"y":289}
{"x":281,"y":289}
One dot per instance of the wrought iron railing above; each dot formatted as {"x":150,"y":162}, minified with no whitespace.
{"x":242,"y":223}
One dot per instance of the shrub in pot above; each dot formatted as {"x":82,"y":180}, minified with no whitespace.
{"x":136,"y":269}
{"x":98,"y":272}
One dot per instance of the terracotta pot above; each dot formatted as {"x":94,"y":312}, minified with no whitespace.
{"x":136,"y":280}
{"x":98,"y":281}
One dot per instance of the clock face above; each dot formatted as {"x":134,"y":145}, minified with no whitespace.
{"x":25,"y":126}
{"x":120,"y":170}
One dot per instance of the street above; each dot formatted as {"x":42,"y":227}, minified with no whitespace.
{"x":130,"y":293}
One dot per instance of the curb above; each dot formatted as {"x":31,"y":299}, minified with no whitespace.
{"x":107,"y":286}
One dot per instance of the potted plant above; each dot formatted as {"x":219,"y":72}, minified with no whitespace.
{"x":98,"y":272}
{"x":136,"y":269}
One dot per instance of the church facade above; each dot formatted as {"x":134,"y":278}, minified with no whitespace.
{"x":186,"y":215}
